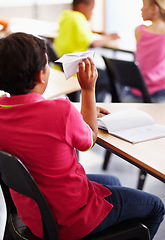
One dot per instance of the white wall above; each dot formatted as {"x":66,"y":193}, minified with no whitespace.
{"x":97,"y":21}
{"x":123,"y":16}
{"x":49,"y":10}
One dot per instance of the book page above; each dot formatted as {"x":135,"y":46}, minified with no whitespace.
{"x":140,"y":134}
{"x":124,"y":119}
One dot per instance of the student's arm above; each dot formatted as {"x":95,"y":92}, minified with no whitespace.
{"x":87,"y":76}
{"x":137,"y":34}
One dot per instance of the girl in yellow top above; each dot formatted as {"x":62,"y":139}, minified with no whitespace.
{"x":74,"y":33}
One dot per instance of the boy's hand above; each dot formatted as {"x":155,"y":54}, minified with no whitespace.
{"x":87,"y":74}
{"x":101,"y":112}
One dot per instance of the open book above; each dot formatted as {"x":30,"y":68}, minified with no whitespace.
{"x":132,"y":125}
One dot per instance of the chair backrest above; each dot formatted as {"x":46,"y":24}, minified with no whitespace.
{"x":15,"y":175}
{"x":125,"y":73}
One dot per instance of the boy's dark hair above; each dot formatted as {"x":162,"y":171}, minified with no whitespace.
{"x":76,"y":2}
{"x":22,"y":56}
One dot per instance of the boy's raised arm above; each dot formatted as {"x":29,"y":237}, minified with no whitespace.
{"x":87,"y":76}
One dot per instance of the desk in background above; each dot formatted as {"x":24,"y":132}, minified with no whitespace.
{"x":36,"y":27}
{"x":121,"y":44}
{"x":122,"y":49}
{"x":58,"y":85}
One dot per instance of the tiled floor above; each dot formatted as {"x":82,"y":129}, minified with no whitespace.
{"x":127,"y":173}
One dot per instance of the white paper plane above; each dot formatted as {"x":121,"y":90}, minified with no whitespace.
{"x":70,"y":61}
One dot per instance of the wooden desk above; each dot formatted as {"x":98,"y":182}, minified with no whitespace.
{"x":36,"y":27}
{"x":148,"y":156}
{"x":121,"y":45}
{"x":58,"y":85}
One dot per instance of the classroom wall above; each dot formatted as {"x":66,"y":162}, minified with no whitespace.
{"x":97,"y":21}
{"x":48,"y":12}
{"x":123,"y":16}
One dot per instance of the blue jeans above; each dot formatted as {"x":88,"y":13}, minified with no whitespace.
{"x":128,"y":204}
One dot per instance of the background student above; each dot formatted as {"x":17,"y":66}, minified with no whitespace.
{"x":75,"y":35}
{"x":150,"y":52}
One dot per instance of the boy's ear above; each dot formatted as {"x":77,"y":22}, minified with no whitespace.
{"x":39,"y":76}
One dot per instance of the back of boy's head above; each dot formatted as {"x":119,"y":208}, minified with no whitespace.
{"x":22,"y":57}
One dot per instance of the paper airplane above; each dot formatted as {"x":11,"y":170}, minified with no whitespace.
{"x":70,"y":62}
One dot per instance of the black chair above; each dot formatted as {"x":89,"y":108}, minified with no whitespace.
{"x":14,"y":175}
{"x":122,"y":74}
